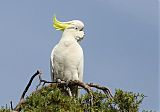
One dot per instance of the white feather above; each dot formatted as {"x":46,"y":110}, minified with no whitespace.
{"x":66,"y":61}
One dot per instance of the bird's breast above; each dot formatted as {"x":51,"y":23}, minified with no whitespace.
{"x":68,"y":51}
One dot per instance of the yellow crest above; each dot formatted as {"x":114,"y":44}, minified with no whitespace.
{"x":60,"y":25}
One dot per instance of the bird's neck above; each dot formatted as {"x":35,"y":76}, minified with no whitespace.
{"x":68,"y":36}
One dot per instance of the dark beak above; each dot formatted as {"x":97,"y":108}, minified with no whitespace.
{"x":81,"y":29}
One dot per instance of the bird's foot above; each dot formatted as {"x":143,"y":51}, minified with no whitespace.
{"x":69,"y":91}
{"x":58,"y":80}
{"x":68,"y":88}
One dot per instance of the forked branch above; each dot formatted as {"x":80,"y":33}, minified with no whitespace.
{"x":61,"y":84}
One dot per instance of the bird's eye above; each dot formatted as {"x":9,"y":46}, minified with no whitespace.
{"x":76,"y":28}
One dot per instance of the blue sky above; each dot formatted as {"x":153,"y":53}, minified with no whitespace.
{"x":120,"y":47}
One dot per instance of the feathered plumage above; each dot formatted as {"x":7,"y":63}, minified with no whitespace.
{"x":67,"y":56}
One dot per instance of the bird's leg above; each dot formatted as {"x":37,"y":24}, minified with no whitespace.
{"x":68,"y":89}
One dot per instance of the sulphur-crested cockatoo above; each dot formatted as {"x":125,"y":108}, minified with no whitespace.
{"x":67,"y":56}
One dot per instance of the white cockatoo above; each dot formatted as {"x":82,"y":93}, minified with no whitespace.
{"x":66,"y":61}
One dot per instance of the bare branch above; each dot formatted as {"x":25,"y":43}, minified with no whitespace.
{"x":61,"y":84}
{"x":25,"y":91}
{"x":106,"y":90}
{"x":42,"y":81}
{"x":29,"y":84}
{"x":11,"y":105}
{"x":81,"y":84}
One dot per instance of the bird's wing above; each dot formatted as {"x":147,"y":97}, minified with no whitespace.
{"x":51,"y":70}
{"x":51,"y":64}
{"x":80,"y":69}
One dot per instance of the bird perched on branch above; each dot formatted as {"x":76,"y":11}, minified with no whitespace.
{"x":66,"y":61}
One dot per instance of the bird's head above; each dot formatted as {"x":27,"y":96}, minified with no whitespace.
{"x":73,"y":28}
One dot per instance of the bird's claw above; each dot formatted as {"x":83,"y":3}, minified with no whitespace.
{"x":67,"y":83}
{"x":58,"y":81}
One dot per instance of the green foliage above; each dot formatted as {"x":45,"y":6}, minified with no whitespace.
{"x":127,"y":101}
{"x":4,"y":110}
{"x":51,"y":99}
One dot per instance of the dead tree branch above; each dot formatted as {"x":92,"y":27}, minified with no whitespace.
{"x":25,"y":91}
{"x":29,"y":84}
{"x":106,"y":90}
{"x":61,"y":84}
{"x":43,"y":81}
{"x":11,"y":105}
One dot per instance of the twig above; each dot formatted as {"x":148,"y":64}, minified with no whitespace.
{"x":85,"y":86}
{"x":81,"y":84}
{"x":11,"y":105}
{"x":29,"y":84}
{"x":106,"y":90}
{"x":17,"y":108}
{"x":42,"y":81}
{"x":61,"y":84}
{"x":71,"y":83}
